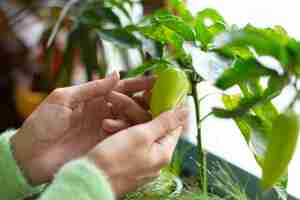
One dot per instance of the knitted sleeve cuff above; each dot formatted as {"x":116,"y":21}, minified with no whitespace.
{"x":13,"y":184}
{"x":79,"y":180}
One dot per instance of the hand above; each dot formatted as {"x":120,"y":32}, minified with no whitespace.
{"x":71,"y":121}
{"x":131,"y":157}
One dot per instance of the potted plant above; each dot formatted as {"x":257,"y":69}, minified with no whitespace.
{"x":59,"y":62}
{"x":164,"y":39}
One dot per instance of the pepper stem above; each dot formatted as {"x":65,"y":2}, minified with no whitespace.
{"x":203,"y":181}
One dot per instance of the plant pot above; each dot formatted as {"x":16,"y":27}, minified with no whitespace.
{"x":166,"y":186}
{"x":27,"y":100}
{"x":249,"y":182}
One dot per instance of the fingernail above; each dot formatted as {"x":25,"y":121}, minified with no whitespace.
{"x":114,"y":98}
{"x":115,"y":74}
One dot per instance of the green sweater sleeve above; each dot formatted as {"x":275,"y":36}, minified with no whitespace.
{"x":77,"y":180}
{"x":13,"y":185}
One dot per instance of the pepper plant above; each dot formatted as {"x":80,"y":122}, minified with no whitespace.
{"x":163,"y":38}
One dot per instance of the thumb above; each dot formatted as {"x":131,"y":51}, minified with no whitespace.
{"x":165,"y":123}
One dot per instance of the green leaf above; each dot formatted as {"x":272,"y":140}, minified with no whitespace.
{"x":281,"y":187}
{"x":272,"y":150}
{"x":96,"y":15}
{"x":265,"y":110}
{"x":281,"y":147}
{"x":208,"y":24}
{"x":121,"y":6}
{"x":230,"y":103}
{"x":179,"y":7}
{"x":259,"y":137}
{"x":253,"y":128}
{"x":242,"y":70}
{"x":163,"y":34}
{"x":293,"y":48}
{"x":120,"y":37}
{"x":267,"y":42}
{"x":243,"y":106}
{"x":63,"y":77}
{"x":148,"y":66}
{"x":88,"y":52}
{"x":276,"y":85}
{"x":177,"y":25}
{"x":277,"y":33}
{"x":159,"y":49}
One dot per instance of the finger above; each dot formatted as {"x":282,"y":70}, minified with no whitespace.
{"x":128,"y":107}
{"x":112,"y":126}
{"x":141,"y":101}
{"x":92,"y":89}
{"x":147,"y":96}
{"x":144,"y":100}
{"x":169,"y":141}
{"x":132,"y":85}
{"x":163,"y":149}
{"x":165,"y":123}
{"x":115,"y":115}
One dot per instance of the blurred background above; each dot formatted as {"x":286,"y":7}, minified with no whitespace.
{"x":28,"y":70}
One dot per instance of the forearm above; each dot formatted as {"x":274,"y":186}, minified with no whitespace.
{"x":79,"y":180}
{"x":13,"y":184}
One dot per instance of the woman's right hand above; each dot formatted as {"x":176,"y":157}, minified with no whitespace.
{"x":135,"y":155}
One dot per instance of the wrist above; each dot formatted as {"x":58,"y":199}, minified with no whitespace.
{"x":92,"y":158}
{"x":22,"y":158}
{"x":100,"y":164}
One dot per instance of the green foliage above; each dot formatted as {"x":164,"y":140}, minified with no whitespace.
{"x":272,"y":42}
{"x":162,"y":34}
{"x":63,"y":77}
{"x":208,"y":24}
{"x":88,"y":29}
{"x":97,"y":13}
{"x":227,"y":183}
{"x":177,"y":25}
{"x":180,"y":7}
{"x":251,"y":109}
{"x":147,"y":66}
{"x":120,"y":37}
{"x":280,"y":148}
{"x":159,"y":189}
{"x":241,"y":71}
{"x":88,"y":47}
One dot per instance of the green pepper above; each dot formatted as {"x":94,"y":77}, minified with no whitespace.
{"x":170,"y":89}
{"x":280,"y":149}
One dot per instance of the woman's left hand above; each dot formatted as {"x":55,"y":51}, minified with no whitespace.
{"x":72,"y":120}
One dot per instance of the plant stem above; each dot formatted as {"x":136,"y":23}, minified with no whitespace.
{"x":203,"y":182}
{"x":142,"y":54}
